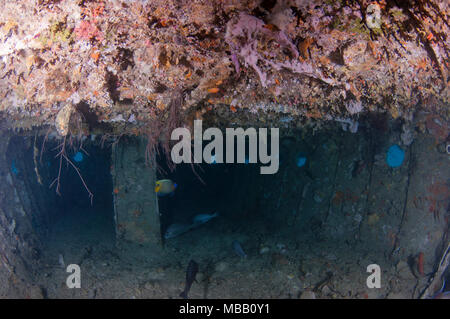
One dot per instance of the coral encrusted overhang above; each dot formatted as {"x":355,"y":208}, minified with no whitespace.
{"x":120,"y":64}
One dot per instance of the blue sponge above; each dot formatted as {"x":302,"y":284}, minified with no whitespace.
{"x":78,"y":157}
{"x":14,"y":168}
{"x":395,"y":156}
{"x":301,"y":161}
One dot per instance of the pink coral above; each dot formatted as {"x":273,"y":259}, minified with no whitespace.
{"x":243,"y":35}
{"x":88,"y":30}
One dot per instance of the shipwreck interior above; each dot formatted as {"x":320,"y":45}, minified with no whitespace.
{"x":225,"y":189}
{"x":336,"y":205}
{"x":56,"y":191}
{"x":92,"y":91}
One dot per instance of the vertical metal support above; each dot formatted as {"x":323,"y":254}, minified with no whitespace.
{"x":135,"y":202}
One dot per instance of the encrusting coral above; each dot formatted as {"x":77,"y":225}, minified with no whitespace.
{"x":312,"y":60}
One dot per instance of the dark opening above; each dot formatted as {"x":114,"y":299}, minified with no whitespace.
{"x":67,"y":219}
{"x":335,"y":205}
{"x":228,"y":192}
{"x":206,"y":189}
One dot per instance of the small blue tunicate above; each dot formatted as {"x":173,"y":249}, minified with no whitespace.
{"x":395,"y":156}
{"x":14,"y":168}
{"x":301,"y":161}
{"x":78,"y":157}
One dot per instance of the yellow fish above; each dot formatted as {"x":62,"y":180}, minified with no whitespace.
{"x":165,"y":187}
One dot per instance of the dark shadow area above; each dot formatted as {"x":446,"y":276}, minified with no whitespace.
{"x":207,"y":196}
{"x":73,"y":208}
{"x":69,"y":215}
{"x":228,"y":189}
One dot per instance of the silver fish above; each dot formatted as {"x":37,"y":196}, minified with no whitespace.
{"x":203,"y":218}
{"x":238,"y":249}
{"x":177,"y":229}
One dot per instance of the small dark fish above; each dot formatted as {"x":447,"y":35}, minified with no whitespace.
{"x":191,"y":272}
{"x":238,"y":249}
